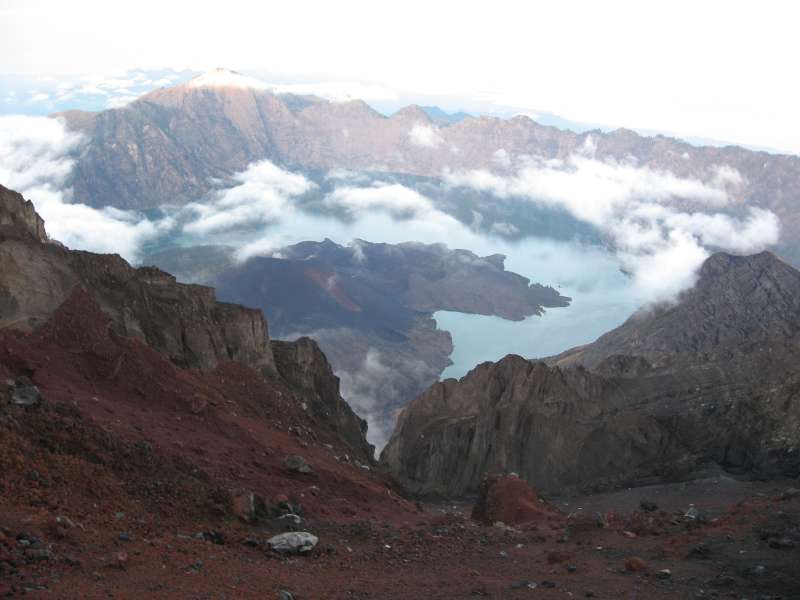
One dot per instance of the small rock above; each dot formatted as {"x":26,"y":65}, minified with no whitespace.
{"x":694,"y":515}
{"x":664,"y":574}
{"x":280,"y":501}
{"x":250,"y":542}
{"x":124,"y":537}
{"x":648,"y":506}
{"x":195,"y":567}
{"x":297,"y":464}
{"x":556,"y":557}
{"x":791,"y":493}
{"x":39,"y":554}
{"x":783,"y":543}
{"x":700,"y":552}
{"x":291,"y":518}
{"x":634,"y":564}
{"x":23,"y":392}
{"x":215,"y":537}
{"x":121,"y":559}
{"x":285,"y":595}
{"x":523,"y":583}
{"x":548,"y":584}
{"x":571,"y":568}
{"x":630,"y":535}
{"x":244,"y":506}
{"x":65,"y":522}
{"x":722,"y":580}
{"x":293,"y":542}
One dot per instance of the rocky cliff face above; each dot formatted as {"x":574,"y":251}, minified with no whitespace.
{"x":18,"y":214}
{"x":740,"y":304}
{"x":185,"y":323}
{"x":707,"y":383}
{"x":304,"y":367}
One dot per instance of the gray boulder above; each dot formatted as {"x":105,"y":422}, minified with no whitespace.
{"x":293,"y":542}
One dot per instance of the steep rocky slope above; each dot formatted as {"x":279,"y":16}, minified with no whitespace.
{"x":185,"y":323}
{"x":707,"y":383}
{"x":740,"y":305}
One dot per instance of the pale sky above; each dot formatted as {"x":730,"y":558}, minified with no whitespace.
{"x":720,"y":70}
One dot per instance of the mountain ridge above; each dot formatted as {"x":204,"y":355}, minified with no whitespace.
{"x":175,"y":145}
{"x":674,"y":392}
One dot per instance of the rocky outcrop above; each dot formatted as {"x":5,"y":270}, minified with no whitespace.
{"x":511,"y":501}
{"x":709,"y":382}
{"x":184,"y":322}
{"x":304,"y":367}
{"x":740,"y":305}
{"x":18,"y":214}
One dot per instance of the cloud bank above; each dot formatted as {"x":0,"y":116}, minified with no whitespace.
{"x":36,"y":159}
{"x":263,"y":194}
{"x":425,"y":136}
{"x":661,"y":226}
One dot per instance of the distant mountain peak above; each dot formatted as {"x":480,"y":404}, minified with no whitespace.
{"x":225,"y":78}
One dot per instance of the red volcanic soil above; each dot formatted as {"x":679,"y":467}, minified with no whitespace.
{"x":327,"y":280}
{"x":121,"y":482}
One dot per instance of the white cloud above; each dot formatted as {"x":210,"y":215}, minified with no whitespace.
{"x":347,"y":175}
{"x":400,"y":201}
{"x":265,"y":246}
{"x":501,"y":158}
{"x":662,"y":226}
{"x":725,"y":175}
{"x":263,"y":194}
{"x":226,"y":78}
{"x":120,"y":101}
{"x":503,"y":228}
{"x":421,"y":220}
{"x":379,"y":382}
{"x":425,"y":136}
{"x":36,"y":158}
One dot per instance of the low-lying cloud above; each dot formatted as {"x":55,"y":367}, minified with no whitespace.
{"x":262,"y":194}
{"x":661,"y":226}
{"x":425,"y":136}
{"x":37,"y":155}
{"x":420,"y":215}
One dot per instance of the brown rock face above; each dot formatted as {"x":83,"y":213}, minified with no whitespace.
{"x":510,"y":500}
{"x":185,"y":323}
{"x":709,"y":382}
{"x":304,"y":367}
{"x":18,"y":214}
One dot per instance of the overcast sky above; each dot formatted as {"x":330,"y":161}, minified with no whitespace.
{"x":720,"y":70}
